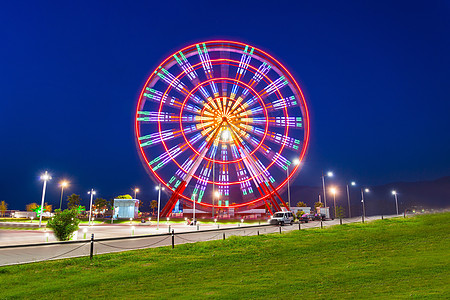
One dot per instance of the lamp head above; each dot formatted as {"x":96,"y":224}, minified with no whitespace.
{"x":330,"y":174}
{"x":46,"y":176}
{"x":353,"y":183}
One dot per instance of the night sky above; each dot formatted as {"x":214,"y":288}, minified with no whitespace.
{"x":375,"y":74}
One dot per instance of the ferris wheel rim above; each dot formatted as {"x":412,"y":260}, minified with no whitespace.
{"x":303,"y":106}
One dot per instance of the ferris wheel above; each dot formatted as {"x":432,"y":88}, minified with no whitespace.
{"x":220,"y":123}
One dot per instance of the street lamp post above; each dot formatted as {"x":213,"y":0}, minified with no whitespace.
{"x":44,"y":177}
{"x":333,"y":191}
{"x":193,"y":217}
{"x":329,"y":174}
{"x":362,"y":201}
{"x":63,"y":185}
{"x":294,"y":162}
{"x":396,"y":202}
{"x":216,"y":195}
{"x":92,"y":193}
{"x":348,"y":198}
{"x":136,"y":190}
{"x":159,"y":188}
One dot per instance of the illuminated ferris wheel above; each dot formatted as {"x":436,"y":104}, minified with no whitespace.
{"x":220,"y":123}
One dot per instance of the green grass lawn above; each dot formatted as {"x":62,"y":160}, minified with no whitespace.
{"x":395,"y":258}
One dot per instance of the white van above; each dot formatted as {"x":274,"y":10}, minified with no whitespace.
{"x":281,"y":218}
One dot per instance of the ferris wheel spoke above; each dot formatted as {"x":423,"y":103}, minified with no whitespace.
{"x":180,"y":174}
{"x":245,"y":61}
{"x":273,"y":87}
{"x":186,"y":66}
{"x":157,"y":96}
{"x":165,"y":117}
{"x":164,"y":158}
{"x":224,"y":177}
{"x":262,"y":71}
{"x":202,"y":181}
{"x":166,"y":135}
{"x":275,"y":137}
{"x":172,"y":81}
{"x":206,"y":62}
{"x":242,"y":173}
{"x":295,"y":122}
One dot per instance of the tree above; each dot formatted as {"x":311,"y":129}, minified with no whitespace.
{"x":299,"y":214}
{"x":48,"y":208}
{"x":318,"y":204}
{"x":73,"y":201}
{"x":124,"y":197}
{"x":32,"y":206}
{"x":301,"y":204}
{"x":340,"y":212}
{"x":153,"y":205}
{"x":3,"y":207}
{"x":101,"y":203}
{"x":64,"y":224}
{"x":37,"y":210}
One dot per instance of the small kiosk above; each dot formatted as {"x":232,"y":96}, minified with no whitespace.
{"x":126,"y":208}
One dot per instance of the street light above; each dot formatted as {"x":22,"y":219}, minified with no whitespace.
{"x":348,"y":198}
{"x":333,"y":191}
{"x":44,"y":177}
{"x":193,"y":217}
{"x":217,"y":195}
{"x":136,"y":190}
{"x":63,"y":184}
{"x":92,"y":193}
{"x":362,"y":201}
{"x":396,"y":202}
{"x":159,"y":188}
{"x":329,"y":174}
{"x":295,"y":162}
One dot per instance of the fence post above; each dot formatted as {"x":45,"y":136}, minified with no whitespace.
{"x":280,"y":229}
{"x":92,"y":246}
{"x":299,"y":225}
{"x":258,"y":232}
{"x":340,"y":220}
{"x":404,"y":214}
{"x":173,"y":239}
{"x":321,"y":224}
{"x":224,"y":236}
{"x":198,"y":227}
{"x":169,"y":228}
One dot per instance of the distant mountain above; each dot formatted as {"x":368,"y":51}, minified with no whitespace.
{"x":426,"y":194}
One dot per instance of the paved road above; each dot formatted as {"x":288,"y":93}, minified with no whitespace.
{"x":145,"y":237}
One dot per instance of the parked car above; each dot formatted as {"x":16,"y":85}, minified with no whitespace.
{"x":304,"y":218}
{"x":281,"y":218}
{"x":319,"y":217}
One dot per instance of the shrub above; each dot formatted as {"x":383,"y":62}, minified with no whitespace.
{"x":64,"y":224}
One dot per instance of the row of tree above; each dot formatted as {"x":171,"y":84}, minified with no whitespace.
{"x":99,"y":204}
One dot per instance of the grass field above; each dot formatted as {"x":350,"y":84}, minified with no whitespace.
{"x":395,"y":258}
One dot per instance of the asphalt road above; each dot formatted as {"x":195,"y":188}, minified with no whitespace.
{"x":145,"y":236}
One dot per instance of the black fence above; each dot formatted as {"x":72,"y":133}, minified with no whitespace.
{"x":19,"y":254}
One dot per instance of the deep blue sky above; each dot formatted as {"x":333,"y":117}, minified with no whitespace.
{"x":376,"y":76}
